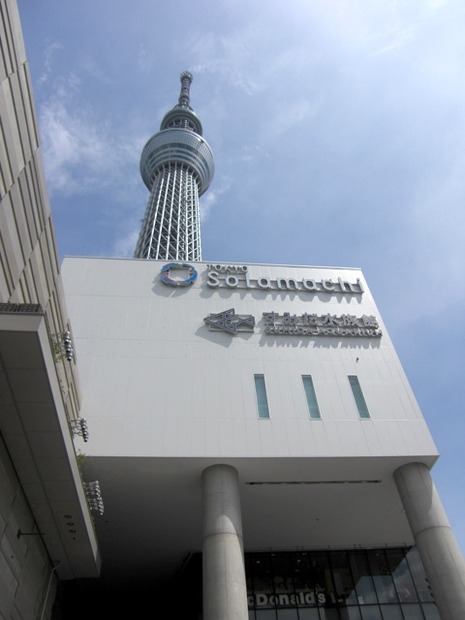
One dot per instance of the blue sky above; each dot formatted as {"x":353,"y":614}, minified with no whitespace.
{"x":338,"y":130}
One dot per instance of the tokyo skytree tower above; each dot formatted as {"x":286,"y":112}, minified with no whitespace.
{"x":177,"y":167}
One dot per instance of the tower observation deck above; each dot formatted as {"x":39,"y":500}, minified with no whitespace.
{"x":177,"y":167}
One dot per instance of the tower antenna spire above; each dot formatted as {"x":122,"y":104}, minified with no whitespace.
{"x":186,"y":81}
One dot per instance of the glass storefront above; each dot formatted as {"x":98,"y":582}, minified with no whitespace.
{"x":365,"y":584}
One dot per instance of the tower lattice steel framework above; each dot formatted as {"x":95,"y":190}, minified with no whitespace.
{"x":177,"y":167}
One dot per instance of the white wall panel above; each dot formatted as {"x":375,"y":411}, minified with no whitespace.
{"x":146,"y":354}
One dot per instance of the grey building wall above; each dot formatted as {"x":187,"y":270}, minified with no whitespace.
{"x":31,"y":560}
{"x":25,"y":228}
{"x":29,"y":268}
{"x":27,"y":579}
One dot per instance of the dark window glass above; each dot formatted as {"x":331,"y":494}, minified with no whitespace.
{"x":419,"y":576}
{"x":382,"y":577}
{"x":301,"y":571}
{"x":282,"y":575}
{"x":359,"y":398}
{"x":371,"y":612}
{"x":391,"y":612}
{"x":320,"y":578}
{"x":309,"y":614}
{"x":431,"y":611}
{"x":400,"y":571}
{"x":287,"y":614}
{"x":248,"y":561}
{"x":262,"y":401}
{"x":364,"y":585}
{"x":312,"y":403}
{"x":265,"y":614}
{"x":263,"y":580}
{"x":412,"y":612}
{"x":344,"y":585}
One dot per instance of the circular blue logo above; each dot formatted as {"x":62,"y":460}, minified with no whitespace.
{"x":165,"y":274}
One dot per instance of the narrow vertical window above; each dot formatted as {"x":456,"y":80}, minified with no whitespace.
{"x":313,"y":409}
{"x":262,"y":400}
{"x":358,"y":395}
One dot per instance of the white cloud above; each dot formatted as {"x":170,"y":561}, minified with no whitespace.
{"x":288,"y":115}
{"x":394,"y":39}
{"x":145,"y":60}
{"x":211,"y":198}
{"x":82,"y":151}
{"x":75,"y":150}
{"x":89,"y":66}
{"x":125,"y":245}
{"x":49,"y":54}
{"x":230,"y":74}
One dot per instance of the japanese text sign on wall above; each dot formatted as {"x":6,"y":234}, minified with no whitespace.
{"x":321,"y":324}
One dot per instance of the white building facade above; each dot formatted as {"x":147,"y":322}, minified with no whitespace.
{"x":258,"y":408}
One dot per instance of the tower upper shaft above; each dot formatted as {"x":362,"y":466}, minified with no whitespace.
{"x":177,"y":166}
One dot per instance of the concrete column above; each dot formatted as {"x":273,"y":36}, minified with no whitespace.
{"x":441,"y":555}
{"x":224,"y":587}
